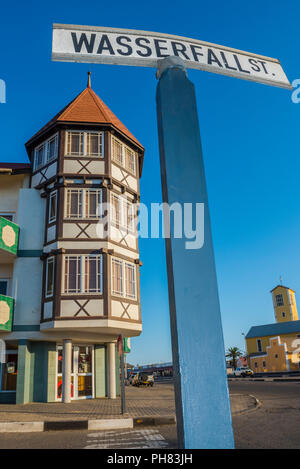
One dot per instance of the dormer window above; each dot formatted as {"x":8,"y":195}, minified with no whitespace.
{"x":45,"y":152}
{"x":81,"y":143}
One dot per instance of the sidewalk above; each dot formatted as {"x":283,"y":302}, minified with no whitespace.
{"x":148,"y":406}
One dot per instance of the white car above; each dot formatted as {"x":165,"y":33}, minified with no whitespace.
{"x":243,"y":371}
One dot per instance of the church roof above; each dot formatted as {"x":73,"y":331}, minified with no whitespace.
{"x":282,"y":286}
{"x":274,"y":329}
{"x":87,"y":107}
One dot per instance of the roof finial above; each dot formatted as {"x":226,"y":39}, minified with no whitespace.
{"x":280,"y":280}
{"x":89,"y":80}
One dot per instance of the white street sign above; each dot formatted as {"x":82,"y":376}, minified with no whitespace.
{"x":72,"y":43}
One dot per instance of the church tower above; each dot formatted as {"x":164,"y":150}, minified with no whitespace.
{"x":284,"y":302}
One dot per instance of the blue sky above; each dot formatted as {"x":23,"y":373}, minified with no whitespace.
{"x":250,"y":137}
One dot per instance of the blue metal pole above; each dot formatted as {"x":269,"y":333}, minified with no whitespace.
{"x":201,"y":389}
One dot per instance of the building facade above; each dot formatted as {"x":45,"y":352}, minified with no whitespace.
{"x":69,"y":257}
{"x":276,"y":347}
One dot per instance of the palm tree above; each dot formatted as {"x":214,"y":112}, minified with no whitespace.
{"x":233,"y":353}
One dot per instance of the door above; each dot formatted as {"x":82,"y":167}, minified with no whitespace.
{"x":81,"y":372}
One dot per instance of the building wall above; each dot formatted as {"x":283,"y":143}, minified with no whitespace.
{"x":287,"y":349}
{"x":9,"y":190}
{"x":289,"y":308}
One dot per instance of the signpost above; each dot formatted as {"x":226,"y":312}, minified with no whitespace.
{"x":120,"y":345}
{"x":201,"y":389}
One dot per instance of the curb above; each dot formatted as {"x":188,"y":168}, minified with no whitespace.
{"x":284,"y":380}
{"x":246,"y":410}
{"x":100,"y":424}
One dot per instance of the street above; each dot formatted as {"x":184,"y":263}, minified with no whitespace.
{"x":276,"y":424}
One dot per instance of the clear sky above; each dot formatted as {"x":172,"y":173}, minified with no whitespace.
{"x":250,"y":137}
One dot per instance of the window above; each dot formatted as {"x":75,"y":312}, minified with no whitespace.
{"x":79,"y":143}
{"x":264,"y":364}
{"x":49,"y":277}
{"x":122,"y":212}
{"x":45,"y":152}
{"x":7,"y":216}
{"x":259,"y":345}
{"x":52,"y":206}
{"x":82,"y":274}
{"x":123,"y":155}
{"x":116,"y":209}
{"x":255,"y":365}
{"x":279,"y":300}
{"x":83,"y":203}
{"x":51,"y":148}
{"x":117,"y":151}
{"x":130,"y":280}
{"x":120,"y":270}
{"x":130,"y":160}
{"x":117,"y":277}
{"x":283,"y":314}
{"x":4,"y":286}
{"x":276,"y":356}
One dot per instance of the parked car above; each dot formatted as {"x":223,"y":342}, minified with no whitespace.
{"x":243,"y":371}
{"x":143,"y":379}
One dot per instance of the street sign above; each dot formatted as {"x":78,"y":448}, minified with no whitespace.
{"x":74,"y":43}
{"x":127,"y":346}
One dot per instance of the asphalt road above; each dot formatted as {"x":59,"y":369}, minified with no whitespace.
{"x":276,"y":424}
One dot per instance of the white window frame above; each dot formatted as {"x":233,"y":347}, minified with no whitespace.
{"x":82,"y":206}
{"x":123,"y":219}
{"x":123,"y":161}
{"x":53,"y":195}
{"x":45,"y":146}
{"x":52,"y":260}
{"x":81,"y":277}
{"x":123,"y":293}
{"x":84,"y":135}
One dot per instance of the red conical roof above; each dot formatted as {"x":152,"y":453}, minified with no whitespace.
{"x":88,"y":107}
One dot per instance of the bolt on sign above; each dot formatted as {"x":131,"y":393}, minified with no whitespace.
{"x":73,"y":43}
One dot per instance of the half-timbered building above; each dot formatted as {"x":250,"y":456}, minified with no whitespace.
{"x":69,"y":282}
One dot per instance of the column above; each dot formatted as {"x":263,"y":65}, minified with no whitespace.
{"x":66,"y":370}
{"x":24,"y":383}
{"x":111,"y":351}
{"x":201,"y":389}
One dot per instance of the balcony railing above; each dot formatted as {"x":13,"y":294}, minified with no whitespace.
{"x":9,"y":236}
{"x":6,"y":313}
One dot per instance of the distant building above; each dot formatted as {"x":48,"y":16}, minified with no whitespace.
{"x":275,"y":347}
